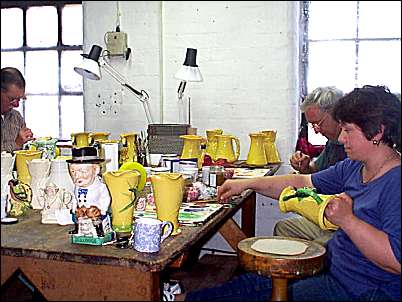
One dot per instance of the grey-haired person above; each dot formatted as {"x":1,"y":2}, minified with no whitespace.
{"x":14,"y":132}
{"x":317,"y":108}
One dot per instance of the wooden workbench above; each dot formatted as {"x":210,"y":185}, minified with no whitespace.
{"x":61,"y":270}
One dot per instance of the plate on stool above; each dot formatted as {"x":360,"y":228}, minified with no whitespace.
{"x":279,"y":246}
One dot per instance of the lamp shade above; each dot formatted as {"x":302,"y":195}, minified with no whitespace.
{"x":89,"y":67}
{"x":189,"y":71}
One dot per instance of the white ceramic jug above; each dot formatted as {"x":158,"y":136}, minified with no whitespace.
{"x":7,"y":165}
{"x":39,"y":170}
{"x":60,"y":176}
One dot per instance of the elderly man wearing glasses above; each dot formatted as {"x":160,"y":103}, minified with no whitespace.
{"x":14,"y":133}
{"x":317,"y":108}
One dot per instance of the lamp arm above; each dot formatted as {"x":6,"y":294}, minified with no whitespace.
{"x":181,"y":88}
{"x":141,"y":95}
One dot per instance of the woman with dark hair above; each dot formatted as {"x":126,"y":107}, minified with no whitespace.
{"x":14,"y":133}
{"x":364,"y":254}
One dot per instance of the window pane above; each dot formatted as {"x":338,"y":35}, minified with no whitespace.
{"x":42,"y":29}
{"x":331,"y":64}
{"x":332,"y":19}
{"x":13,"y":59}
{"x":70,"y":80}
{"x":72,"y":25}
{"x":380,"y":64}
{"x":380,"y":19}
{"x":72,"y":114}
{"x":42,"y":115}
{"x":42,"y":72}
{"x":11,"y":28}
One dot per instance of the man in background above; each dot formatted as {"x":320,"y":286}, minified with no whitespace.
{"x":14,"y":133}
{"x":317,"y":108}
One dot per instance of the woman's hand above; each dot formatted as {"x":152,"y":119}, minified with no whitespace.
{"x":231,"y":187}
{"x":339,"y":210}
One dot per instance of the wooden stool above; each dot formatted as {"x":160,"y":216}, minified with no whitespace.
{"x":279,"y":267}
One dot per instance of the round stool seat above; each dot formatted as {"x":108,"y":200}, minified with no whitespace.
{"x":281,"y":267}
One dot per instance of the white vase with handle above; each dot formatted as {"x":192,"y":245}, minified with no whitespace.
{"x":39,"y":169}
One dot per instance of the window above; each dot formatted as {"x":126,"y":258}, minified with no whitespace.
{"x":43,"y":39}
{"x":349,"y":44}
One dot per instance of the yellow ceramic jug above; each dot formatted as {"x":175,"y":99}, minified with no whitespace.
{"x":168,"y":189}
{"x":80,"y":139}
{"x":192,"y":148}
{"x":212,"y":142}
{"x":307,"y":203}
{"x":271,"y":152}
{"x":225,"y":150}
{"x":256,"y":154}
{"x":94,"y":136}
{"x":21,"y":158}
{"x":122,"y":186}
{"x":128,"y":151}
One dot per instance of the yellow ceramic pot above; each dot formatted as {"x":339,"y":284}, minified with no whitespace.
{"x":80,"y":139}
{"x":307,"y":207}
{"x":271,"y":152}
{"x":21,"y":158}
{"x":168,"y":189}
{"x":121,"y":185}
{"x":225,"y":148}
{"x":128,"y":151}
{"x":94,"y":136}
{"x":212,"y":142}
{"x":192,"y":148}
{"x":256,"y":154}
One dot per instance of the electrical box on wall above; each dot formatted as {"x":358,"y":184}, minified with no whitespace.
{"x":116,"y":43}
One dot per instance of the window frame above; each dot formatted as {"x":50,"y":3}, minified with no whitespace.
{"x":304,"y":51}
{"x":60,"y":47}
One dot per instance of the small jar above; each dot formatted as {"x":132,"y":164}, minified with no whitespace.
{"x":216,"y":176}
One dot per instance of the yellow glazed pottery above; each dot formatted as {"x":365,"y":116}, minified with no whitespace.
{"x":128,"y":151}
{"x":271,"y":152}
{"x":212,"y":142}
{"x":121,"y":185}
{"x":307,"y":207}
{"x":94,"y":136}
{"x":80,"y":139}
{"x":192,"y":148}
{"x":225,"y":149}
{"x":256,"y":154}
{"x":21,"y":158}
{"x":168,"y":191}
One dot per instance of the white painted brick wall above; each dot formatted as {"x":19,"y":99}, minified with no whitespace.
{"x":247,"y":54}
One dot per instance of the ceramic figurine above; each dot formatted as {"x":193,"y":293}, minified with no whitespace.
{"x":20,"y":197}
{"x":51,"y":199}
{"x":92,"y":198}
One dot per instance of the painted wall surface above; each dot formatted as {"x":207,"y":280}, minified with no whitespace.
{"x":247,"y":54}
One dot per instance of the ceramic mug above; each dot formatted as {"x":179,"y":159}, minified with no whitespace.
{"x":149,"y":233}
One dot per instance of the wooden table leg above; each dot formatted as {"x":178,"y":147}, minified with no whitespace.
{"x":279,"y":289}
{"x":248,"y":213}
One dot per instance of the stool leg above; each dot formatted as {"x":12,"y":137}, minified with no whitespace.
{"x":279,"y":289}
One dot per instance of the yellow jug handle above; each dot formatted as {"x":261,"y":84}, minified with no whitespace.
{"x":237,"y":141}
{"x":140,"y":169}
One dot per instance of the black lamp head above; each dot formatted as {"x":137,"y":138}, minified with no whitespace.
{"x":94,"y":53}
{"x":191,"y":56}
